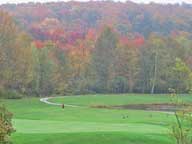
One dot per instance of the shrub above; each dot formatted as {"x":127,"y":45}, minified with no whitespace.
{"x":6,"y":128}
{"x":181,"y":129}
{"x":10,"y":94}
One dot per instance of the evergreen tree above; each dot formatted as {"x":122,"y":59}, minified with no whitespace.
{"x":103,"y":59}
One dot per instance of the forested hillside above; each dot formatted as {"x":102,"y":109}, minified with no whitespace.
{"x":45,"y":20}
{"x":95,"y":47}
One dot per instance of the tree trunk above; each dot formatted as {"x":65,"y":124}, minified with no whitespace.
{"x":155,"y":74}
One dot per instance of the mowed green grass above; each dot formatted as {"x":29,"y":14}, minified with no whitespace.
{"x":121,"y":99}
{"x":36,"y":122}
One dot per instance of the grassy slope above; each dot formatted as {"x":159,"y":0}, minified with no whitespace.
{"x":40,"y":123}
{"x":118,"y":99}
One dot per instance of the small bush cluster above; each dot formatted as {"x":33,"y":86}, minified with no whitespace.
{"x":10,"y":94}
{"x":6,"y":127}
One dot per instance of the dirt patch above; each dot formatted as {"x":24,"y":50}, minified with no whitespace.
{"x":148,"y":107}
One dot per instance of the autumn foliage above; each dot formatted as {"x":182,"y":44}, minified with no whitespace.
{"x":103,"y":47}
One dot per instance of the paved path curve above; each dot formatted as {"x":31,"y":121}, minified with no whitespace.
{"x":46,"y":100}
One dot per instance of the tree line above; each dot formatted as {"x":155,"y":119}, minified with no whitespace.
{"x":102,"y":61}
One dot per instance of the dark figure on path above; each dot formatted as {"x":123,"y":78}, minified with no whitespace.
{"x":63,"y":106}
